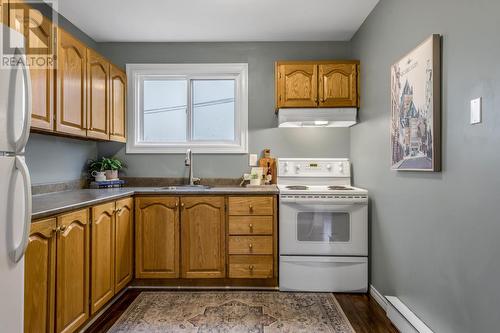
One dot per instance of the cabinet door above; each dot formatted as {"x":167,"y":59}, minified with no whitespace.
{"x":203,"y":237}
{"x":118,"y":93}
{"x":157,"y":237}
{"x":71,"y":85}
{"x":72,"y":271}
{"x":124,"y":242}
{"x":97,"y":96}
{"x":39,"y":43}
{"x":39,"y":283}
{"x":102,"y":255}
{"x":338,"y":85}
{"x":296,"y":85}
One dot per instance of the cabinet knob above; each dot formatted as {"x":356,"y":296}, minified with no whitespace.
{"x":250,"y":246}
{"x":250,"y":207}
{"x":250,"y":267}
{"x":176,"y":204}
{"x":250,"y":226}
{"x":62,"y":228}
{"x":182,"y":205}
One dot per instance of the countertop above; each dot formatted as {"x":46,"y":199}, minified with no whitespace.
{"x":58,"y":202}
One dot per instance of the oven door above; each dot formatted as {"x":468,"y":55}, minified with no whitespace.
{"x":311,"y":226}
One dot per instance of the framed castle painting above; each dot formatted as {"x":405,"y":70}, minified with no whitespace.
{"x":416,"y":108}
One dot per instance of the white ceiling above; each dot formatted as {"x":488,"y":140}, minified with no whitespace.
{"x":217,"y":20}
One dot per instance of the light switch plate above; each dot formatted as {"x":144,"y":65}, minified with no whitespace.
{"x":252,"y":160}
{"x":475,"y":111}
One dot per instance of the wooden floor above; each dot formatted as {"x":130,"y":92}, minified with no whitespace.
{"x":364,"y":314}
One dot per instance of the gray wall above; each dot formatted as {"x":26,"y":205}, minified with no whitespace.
{"x":263,"y":132}
{"x":435,"y":237}
{"x":54,"y":159}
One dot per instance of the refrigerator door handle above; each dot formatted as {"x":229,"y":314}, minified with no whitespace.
{"x":18,"y":252}
{"x":23,"y":139}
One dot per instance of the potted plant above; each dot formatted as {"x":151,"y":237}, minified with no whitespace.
{"x":111,"y":167}
{"x":96,"y":170}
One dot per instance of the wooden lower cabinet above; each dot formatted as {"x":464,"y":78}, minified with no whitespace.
{"x":40,"y":271}
{"x":103,"y":255}
{"x":203,"y":237}
{"x":124,"y":243}
{"x":251,"y":267}
{"x":157,"y":237}
{"x":252,"y":244}
{"x":72,"y":271}
{"x":73,"y":258}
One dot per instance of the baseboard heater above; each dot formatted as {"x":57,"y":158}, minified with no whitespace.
{"x":403,"y":318}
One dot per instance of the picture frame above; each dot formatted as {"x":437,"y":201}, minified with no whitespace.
{"x":416,"y":108}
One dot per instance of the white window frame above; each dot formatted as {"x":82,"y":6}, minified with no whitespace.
{"x":136,"y":73}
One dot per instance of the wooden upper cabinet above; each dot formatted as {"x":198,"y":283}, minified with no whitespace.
{"x":157,"y":237}
{"x":97,"y":96}
{"x":314,"y":84}
{"x":39,"y":282}
{"x":103,"y":255}
{"x":124,"y":242}
{"x":72,"y":271}
{"x":338,"y":85}
{"x":71,"y":116}
{"x":118,"y":93}
{"x":37,"y":30}
{"x":296,"y":85}
{"x":203,"y":237}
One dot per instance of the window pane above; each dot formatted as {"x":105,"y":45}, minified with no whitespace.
{"x":165,"y":104}
{"x":213,"y":110}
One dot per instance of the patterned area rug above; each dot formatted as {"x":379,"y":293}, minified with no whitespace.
{"x":224,"y":312}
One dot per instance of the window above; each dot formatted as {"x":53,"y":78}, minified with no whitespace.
{"x":178,"y":106}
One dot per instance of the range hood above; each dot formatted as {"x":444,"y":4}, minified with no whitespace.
{"x":317,"y":117}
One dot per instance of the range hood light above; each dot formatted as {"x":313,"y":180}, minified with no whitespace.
{"x":320,"y":123}
{"x":324,"y":117}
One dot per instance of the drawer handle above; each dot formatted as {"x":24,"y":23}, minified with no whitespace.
{"x":250,"y":226}
{"x":250,"y":267}
{"x":250,"y":207}
{"x":250,"y":246}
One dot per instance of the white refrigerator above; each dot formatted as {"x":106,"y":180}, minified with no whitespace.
{"x":15,"y":185}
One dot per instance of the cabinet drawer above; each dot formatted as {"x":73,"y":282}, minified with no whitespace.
{"x":250,"y":225}
{"x":250,"y":245}
{"x":253,"y":267}
{"x":251,"y":205}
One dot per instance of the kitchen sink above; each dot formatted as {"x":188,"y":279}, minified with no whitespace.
{"x":187,"y":187}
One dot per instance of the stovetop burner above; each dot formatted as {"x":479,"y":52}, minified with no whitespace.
{"x":297,"y":187}
{"x":339,"y":188}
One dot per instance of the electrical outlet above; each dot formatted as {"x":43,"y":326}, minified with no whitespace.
{"x":252,"y":160}
{"x":475,"y":111}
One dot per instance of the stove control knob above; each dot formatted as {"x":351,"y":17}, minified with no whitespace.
{"x":329,"y":167}
{"x":297,"y":167}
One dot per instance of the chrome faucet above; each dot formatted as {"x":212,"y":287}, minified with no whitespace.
{"x":189,"y":162}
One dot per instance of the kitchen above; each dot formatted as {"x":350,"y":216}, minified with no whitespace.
{"x":413,"y":266}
